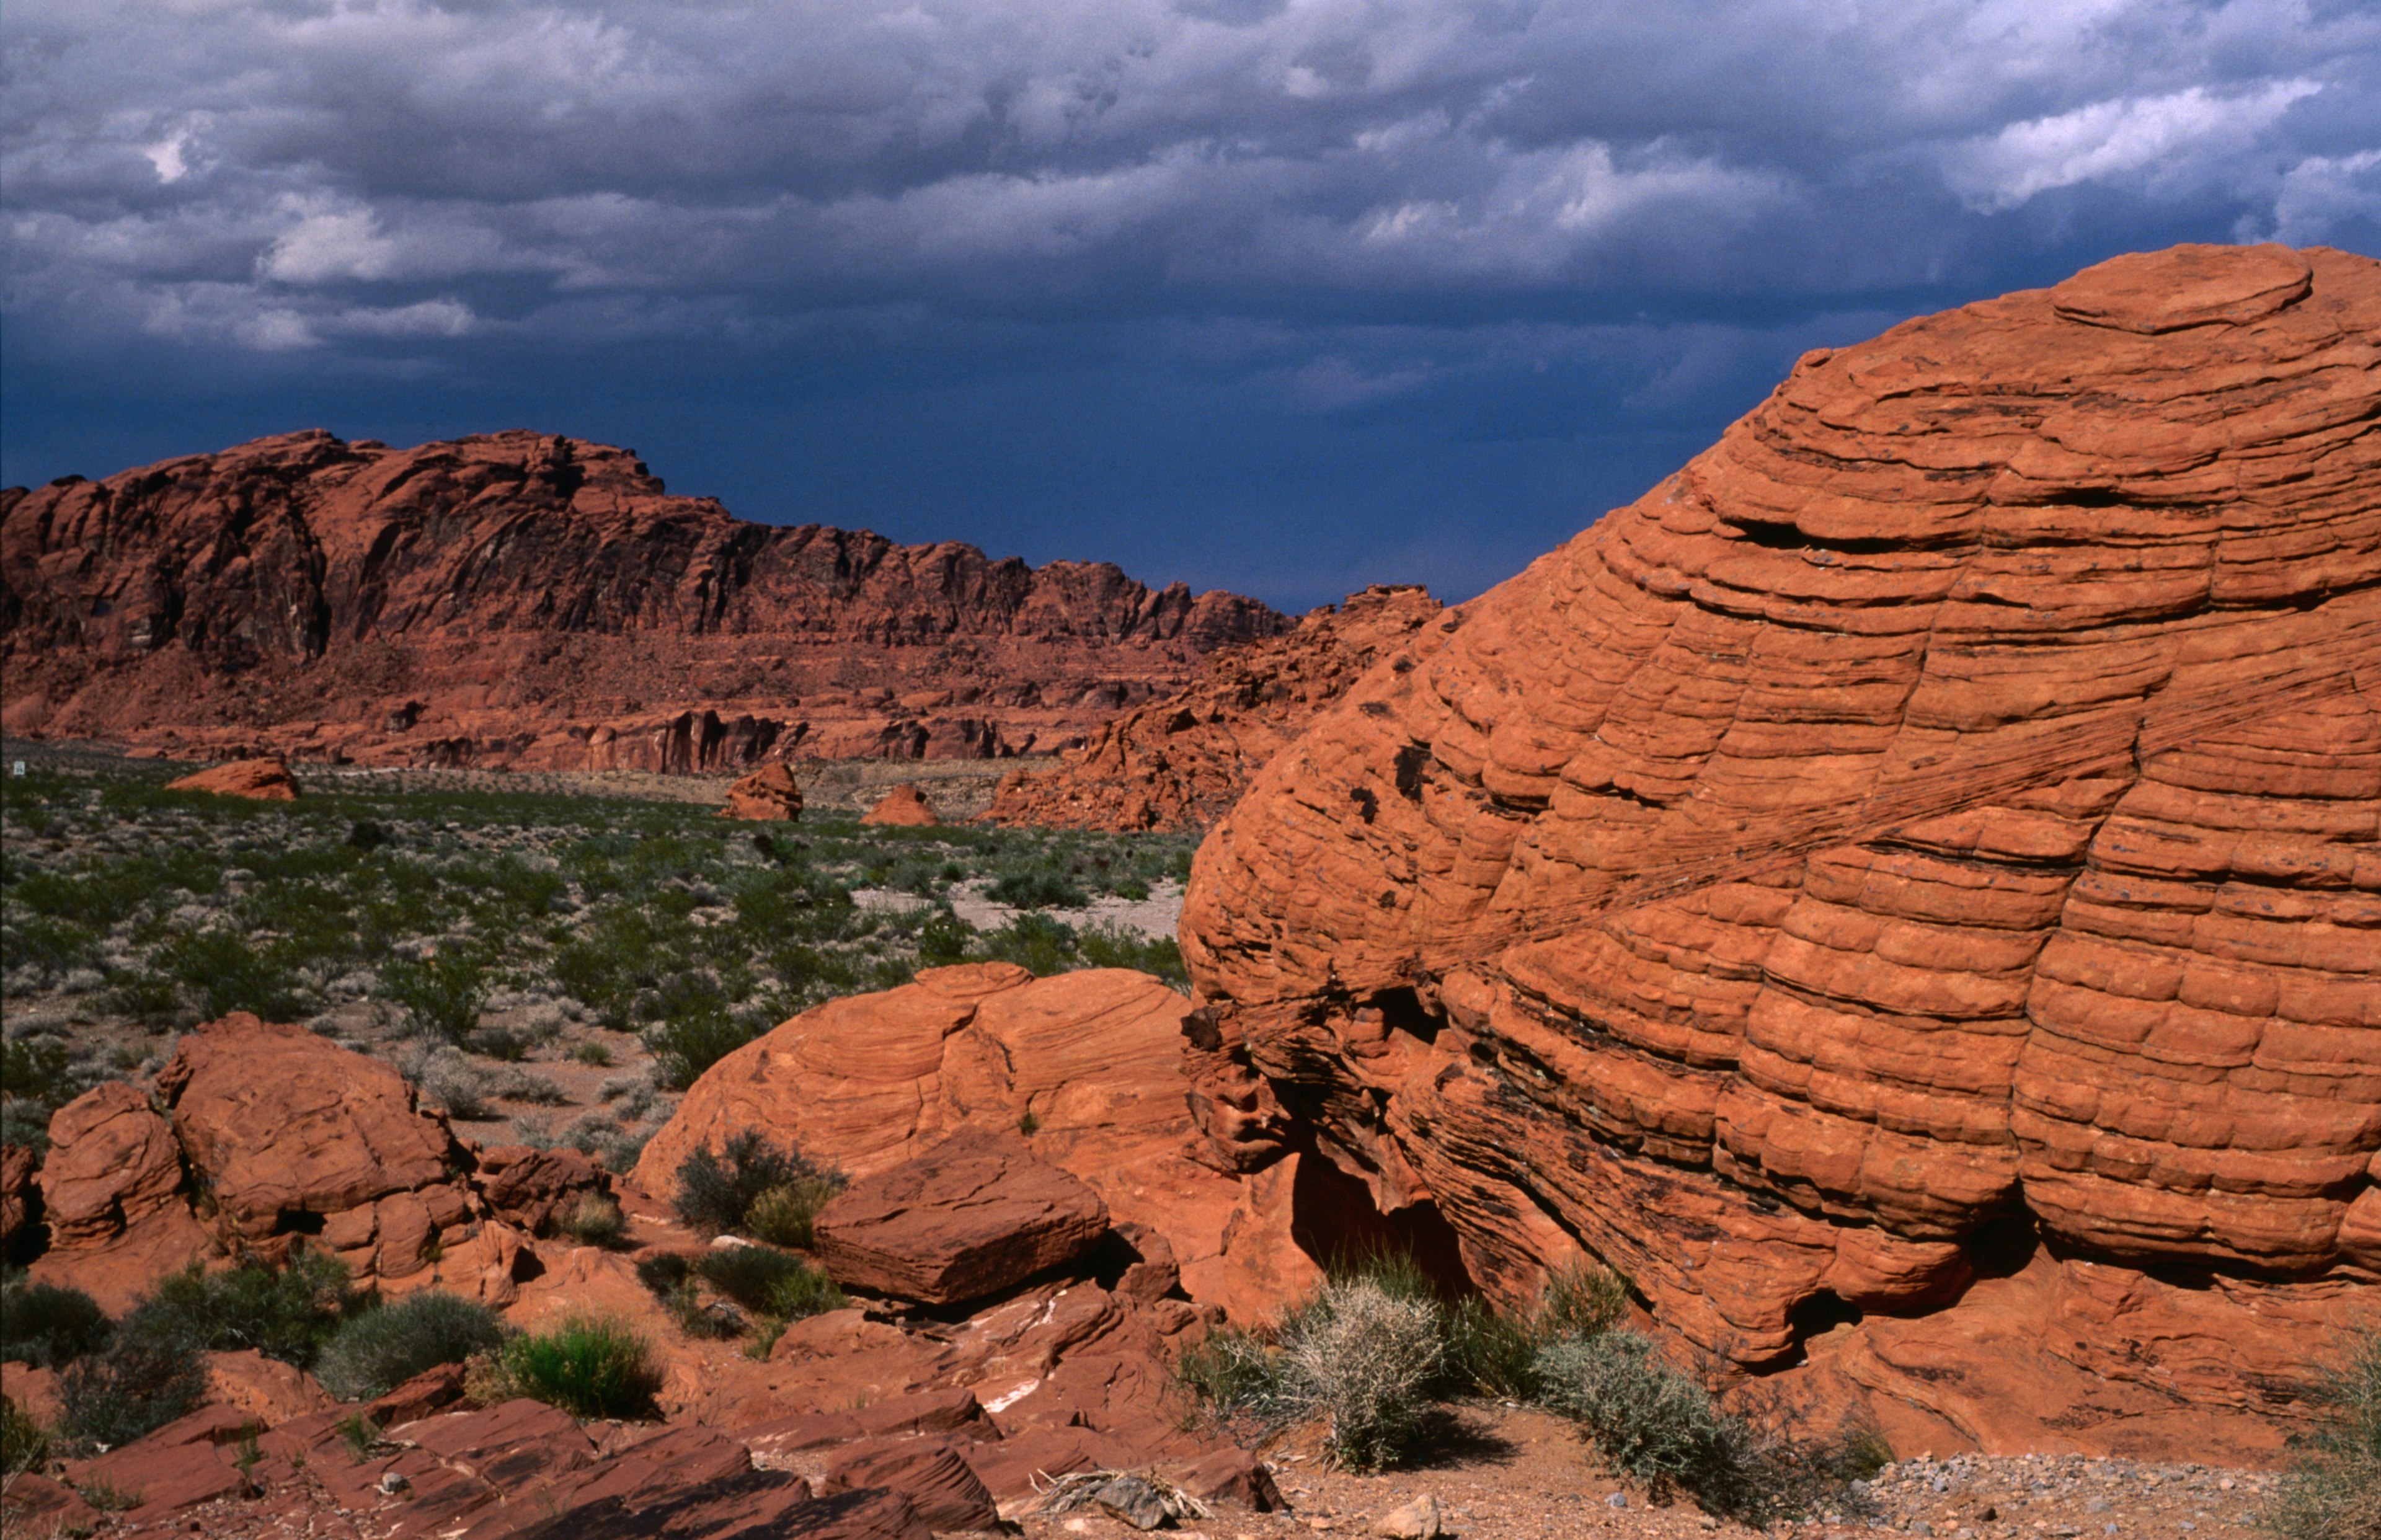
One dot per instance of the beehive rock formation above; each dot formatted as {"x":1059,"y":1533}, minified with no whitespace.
{"x":904,"y":807}
{"x":769,"y":795}
{"x":1935,"y":832}
{"x":520,"y":600}
{"x":1179,"y":763}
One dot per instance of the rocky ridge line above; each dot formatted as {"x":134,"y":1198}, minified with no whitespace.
{"x":519,"y":600}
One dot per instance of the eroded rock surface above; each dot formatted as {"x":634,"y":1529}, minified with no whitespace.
{"x":1179,"y":763}
{"x":264,"y":1136}
{"x":867,"y":1082}
{"x":965,"y":1219}
{"x":1940,"y":821}
{"x":258,"y":780}
{"x":769,"y":794}
{"x":541,"y":602}
{"x":904,"y":807}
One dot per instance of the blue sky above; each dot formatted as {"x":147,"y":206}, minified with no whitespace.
{"x":1286,"y":296}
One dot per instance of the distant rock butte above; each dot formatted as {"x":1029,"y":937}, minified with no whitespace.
{"x":540,"y":602}
{"x":1180,"y":762}
{"x":1905,"y":891}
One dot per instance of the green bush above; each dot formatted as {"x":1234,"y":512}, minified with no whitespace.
{"x":665,"y":1273}
{"x":1649,"y":1421}
{"x":286,"y":1313}
{"x":48,"y":1326}
{"x":769,"y":1282}
{"x":225,"y":973}
{"x":1233,"y":1376}
{"x":715,"y":1194}
{"x":145,"y":1380}
{"x":782,"y":1214}
{"x":1108,"y":947}
{"x":373,"y":1352}
{"x":1037,"y":889}
{"x":587,"y":1365}
{"x":442,"y":994}
{"x":23,"y":1446}
{"x":2332,"y":1490}
{"x":38,"y":1070}
{"x":696,"y":1031}
{"x":1034,"y":942}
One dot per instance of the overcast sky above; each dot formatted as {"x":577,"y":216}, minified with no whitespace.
{"x":1286,"y":296}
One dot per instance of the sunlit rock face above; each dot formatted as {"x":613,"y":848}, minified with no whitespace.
{"x":1933,"y":831}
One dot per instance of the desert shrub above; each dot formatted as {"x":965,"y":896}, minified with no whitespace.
{"x":1580,"y":1300}
{"x":593,"y":1220}
{"x":23,"y":1446}
{"x":2332,"y":1490}
{"x":1649,"y":1421}
{"x":373,"y":1352}
{"x":39,"y":1070}
{"x":944,"y":939}
{"x":286,"y":1313}
{"x":696,"y":1031}
{"x":1037,"y":889}
{"x":467,"y":1090}
{"x":664,"y":1272}
{"x":769,"y":1282}
{"x":782,"y":1214}
{"x":587,"y":1365}
{"x":1490,"y":1352}
{"x":442,"y":995}
{"x":48,"y":1326}
{"x":225,"y":973}
{"x":1034,"y":942}
{"x":143,"y":1381}
{"x":1365,"y":1357}
{"x":1233,"y":1376}
{"x":715,"y":1194}
{"x":1109,"y":946}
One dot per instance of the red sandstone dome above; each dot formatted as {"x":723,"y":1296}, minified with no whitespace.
{"x":1923,"y":857}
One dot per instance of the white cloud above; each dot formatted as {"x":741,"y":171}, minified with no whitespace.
{"x":2107,"y":139}
{"x":2321,"y":193}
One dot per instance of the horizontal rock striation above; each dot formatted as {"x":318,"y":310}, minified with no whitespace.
{"x":1179,"y":763}
{"x":519,"y":599}
{"x":1936,"y":832}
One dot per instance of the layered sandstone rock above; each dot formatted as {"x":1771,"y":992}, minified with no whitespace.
{"x":974,"y":1215}
{"x":260,"y":780}
{"x":768,"y":794}
{"x":870,"y":1082}
{"x":1938,"y":821}
{"x":1179,"y":763}
{"x":523,"y":599}
{"x":904,"y":807}
{"x":271,"y":1137}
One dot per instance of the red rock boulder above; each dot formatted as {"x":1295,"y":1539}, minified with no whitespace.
{"x":973,"y":1216}
{"x":768,"y":794}
{"x":1098,"y":1059}
{"x":904,"y":807}
{"x":20,"y":1199}
{"x":279,"y":1122}
{"x":1941,"y":811}
{"x":258,"y":780}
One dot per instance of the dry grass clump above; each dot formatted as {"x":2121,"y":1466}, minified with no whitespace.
{"x":2333,"y":1490}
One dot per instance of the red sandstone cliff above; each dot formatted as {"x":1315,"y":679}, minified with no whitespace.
{"x":516,"y":599}
{"x":1907,"y":891}
{"x":1180,"y":762}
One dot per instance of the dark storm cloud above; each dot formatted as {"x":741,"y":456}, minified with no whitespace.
{"x":1404,"y":245}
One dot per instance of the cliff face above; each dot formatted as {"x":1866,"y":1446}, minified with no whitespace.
{"x":539,"y":601}
{"x":1181,"y":761}
{"x":1907,"y":891}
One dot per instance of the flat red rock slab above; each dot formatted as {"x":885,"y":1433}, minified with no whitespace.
{"x":969,"y":1217}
